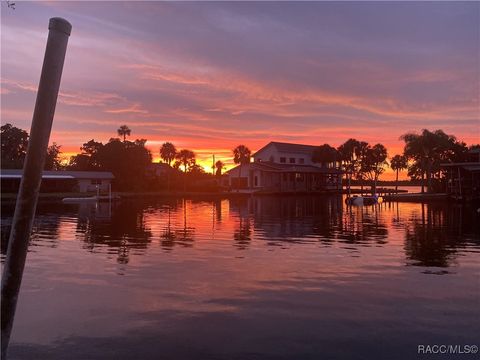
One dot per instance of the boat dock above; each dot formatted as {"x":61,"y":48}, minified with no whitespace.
{"x":416,"y":197}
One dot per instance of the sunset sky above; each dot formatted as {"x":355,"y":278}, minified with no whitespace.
{"x":210,"y":76}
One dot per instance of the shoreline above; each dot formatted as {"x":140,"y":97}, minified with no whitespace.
{"x":387,"y":194}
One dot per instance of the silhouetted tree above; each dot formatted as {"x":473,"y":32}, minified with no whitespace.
{"x":185,"y":158}
{"x":373,"y":165}
{"x":428,"y":150}
{"x":14,"y":143}
{"x":79,"y":162}
{"x":176,"y":165}
{"x":128,"y":161}
{"x":87,"y":160}
{"x":241,"y":156}
{"x":325,"y":154}
{"x":52,"y":161}
{"x":91,"y":147}
{"x":197,"y":169}
{"x":348,"y":157}
{"x":398,"y":163}
{"x":361,"y":155}
{"x":124,"y":131}
{"x":168,"y":152}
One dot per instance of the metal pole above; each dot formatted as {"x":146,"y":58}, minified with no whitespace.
{"x":59,"y":31}
{"x":213,"y":165}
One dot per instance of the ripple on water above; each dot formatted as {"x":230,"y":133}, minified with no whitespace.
{"x":254,"y":269}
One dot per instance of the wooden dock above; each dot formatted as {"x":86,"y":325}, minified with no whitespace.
{"x":416,"y":197}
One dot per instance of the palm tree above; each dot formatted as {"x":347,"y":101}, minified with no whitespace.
{"x":124,"y":131}
{"x":349,"y":159}
{"x":168,"y":152}
{"x":325,"y":154}
{"x":427,"y":151}
{"x":185,"y":158}
{"x":373,"y":164}
{"x":241,"y":156}
{"x":219,"y":165}
{"x":398,"y":163}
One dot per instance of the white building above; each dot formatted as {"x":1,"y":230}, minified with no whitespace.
{"x":61,"y":181}
{"x":284,"y":167}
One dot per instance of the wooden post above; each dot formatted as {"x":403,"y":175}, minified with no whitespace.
{"x":59,"y":31}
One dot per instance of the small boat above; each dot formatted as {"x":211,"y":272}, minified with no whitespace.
{"x":363,"y":200}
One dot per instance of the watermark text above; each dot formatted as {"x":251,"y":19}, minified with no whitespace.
{"x":446,"y":349}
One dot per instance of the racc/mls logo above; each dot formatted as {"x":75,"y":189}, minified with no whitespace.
{"x":447,"y":349}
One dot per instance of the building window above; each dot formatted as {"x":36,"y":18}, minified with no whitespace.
{"x":292,"y":160}
{"x":256,"y":180}
{"x":283,"y":160}
{"x":96,"y":182}
{"x":301,"y":161}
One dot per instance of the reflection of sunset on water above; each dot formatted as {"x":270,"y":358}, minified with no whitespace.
{"x":171,"y":264}
{"x":239,"y":180}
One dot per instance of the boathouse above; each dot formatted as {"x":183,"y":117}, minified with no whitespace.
{"x":60,"y":181}
{"x":463,"y":180}
{"x":284,"y":167}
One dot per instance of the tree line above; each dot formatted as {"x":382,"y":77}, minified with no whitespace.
{"x":422,"y":157}
{"x":129,"y":160}
{"x":14,"y":143}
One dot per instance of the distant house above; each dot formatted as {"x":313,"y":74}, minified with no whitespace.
{"x":60,"y":181}
{"x":284,"y":167}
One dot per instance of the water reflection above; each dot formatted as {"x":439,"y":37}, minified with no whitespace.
{"x":168,"y":234}
{"x":284,"y":277}
{"x":123,"y":231}
{"x":242,"y":209}
{"x":431,"y":233}
{"x":433,"y":238}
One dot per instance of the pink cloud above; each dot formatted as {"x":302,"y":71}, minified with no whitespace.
{"x":135,"y":109}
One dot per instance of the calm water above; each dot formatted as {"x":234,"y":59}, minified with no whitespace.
{"x":258,"y":278}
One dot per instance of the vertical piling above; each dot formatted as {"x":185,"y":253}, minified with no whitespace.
{"x":59,"y":31}
{"x":213,"y":164}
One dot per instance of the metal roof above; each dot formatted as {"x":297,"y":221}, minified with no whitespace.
{"x":17,"y":174}
{"x":275,"y":167}
{"x":469,"y":166}
{"x":290,"y":147}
